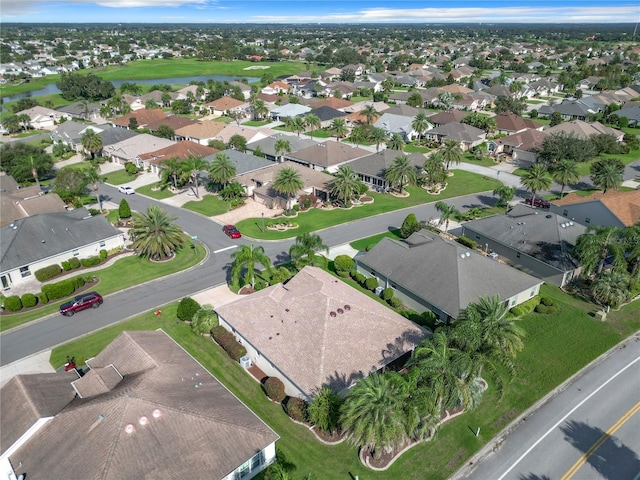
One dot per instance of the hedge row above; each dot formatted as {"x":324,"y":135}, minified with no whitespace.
{"x":526,"y":308}
{"x":63,"y":288}
{"x":227,"y":341}
{"x":53,"y":291}
{"x":48,"y":272}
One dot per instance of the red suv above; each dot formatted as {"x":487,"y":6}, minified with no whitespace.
{"x":231,"y":231}
{"x":81,"y":302}
{"x":540,"y":203}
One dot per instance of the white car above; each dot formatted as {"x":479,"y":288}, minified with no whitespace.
{"x":126,"y":189}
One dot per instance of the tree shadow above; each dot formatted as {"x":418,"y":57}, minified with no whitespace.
{"x":612,"y":459}
{"x":341,"y":381}
{"x":408,"y":338}
{"x":533,"y":476}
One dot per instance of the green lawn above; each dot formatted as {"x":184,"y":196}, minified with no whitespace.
{"x":157,"y":194}
{"x":256,"y":123}
{"x":462,"y":183}
{"x":369,"y":242}
{"x":210,"y":205}
{"x":412,"y":148}
{"x":126,"y":272}
{"x":118,"y":177}
{"x":485,"y":161}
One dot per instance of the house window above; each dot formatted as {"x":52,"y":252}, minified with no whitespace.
{"x":103,"y":243}
{"x":565,"y":213}
{"x":393,"y":285}
{"x":587,"y":220}
{"x":518,"y":254}
{"x":533,"y":292}
{"x":513,"y":302}
{"x":76,"y":253}
{"x":24,"y":271}
{"x":477,"y":237}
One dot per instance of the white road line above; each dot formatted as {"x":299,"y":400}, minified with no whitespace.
{"x":226,"y":248}
{"x":564,"y":418}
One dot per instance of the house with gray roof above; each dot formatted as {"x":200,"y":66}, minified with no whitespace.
{"x":399,"y":124}
{"x":568,"y":109}
{"x":87,"y":111}
{"x":430,"y":272}
{"x":372,"y":168}
{"x":268,"y":145}
{"x":466,"y":135}
{"x":244,"y":162}
{"x":144,"y":409}
{"x":327,"y":155}
{"x":111,"y":135}
{"x":31,"y":243}
{"x":532,"y":240}
{"x":69,"y":133}
{"x":289,"y":110}
{"x":317,"y":331}
{"x":326,"y":115}
{"x":631,"y":112}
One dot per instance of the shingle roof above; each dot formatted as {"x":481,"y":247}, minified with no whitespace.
{"x":202,"y":130}
{"x":130,"y":148}
{"x":225,"y":103}
{"x":460,"y":132}
{"x":511,"y":122}
{"x":142,"y":116}
{"x":527,"y":140}
{"x":325,"y":113}
{"x":267,"y":174}
{"x":244,"y":162}
{"x":447,"y":117}
{"x":319,"y":331}
{"x":444,"y":273}
{"x":267,"y":145}
{"x":16,"y":203}
{"x":376,"y":164}
{"x":172,"y":121}
{"x":182,"y":150}
{"x":328,"y":153}
{"x":624,"y":205}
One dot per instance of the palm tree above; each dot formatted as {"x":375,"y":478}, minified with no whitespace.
{"x":312,"y":122}
{"x":338,"y":128}
{"x":396,"y":142}
{"x":288,"y":182}
{"x":535,"y":179}
{"x":401,"y":173}
{"x":324,"y":410}
{"x":281,"y":147}
{"x":94,"y":178}
{"x":191,"y":168}
{"x":446,"y":212}
{"x":222,"y":170}
{"x":295,"y":124}
{"x":91,"y":142}
{"x":373,"y":414}
{"x":565,"y":172}
{"x":345,"y":184}
{"x":24,"y":120}
{"x":155,"y":235}
{"x":370,"y":113}
{"x":433,"y":169}
{"x":378,"y":136}
{"x":171,"y":169}
{"x":607,"y":174}
{"x":420,"y":124}
{"x":245,"y":260}
{"x":11,"y":123}
{"x":611,"y":288}
{"x":358,"y":134}
{"x":631,"y":238}
{"x":34,"y":170}
{"x":306,"y":247}
{"x":505,"y":195}
{"x":260,"y":110}
{"x":596,"y":245}
{"x":451,"y":153}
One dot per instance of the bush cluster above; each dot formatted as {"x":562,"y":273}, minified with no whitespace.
{"x":66,"y":266}
{"x":228,"y":342}
{"x":546,"y":309}
{"x":131,"y":168}
{"x":13,"y":303}
{"x":63,"y":288}
{"x":29,"y":300}
{"x":274,"y":388}
{"x":525,"y":308}
{"x":42,"y":298}
{"x":371,"y":283}
{"x":90,"y":261}
{"x":467,"y":242}
{"x":387,"y":294}
{"x":187,"y":308}
{"x":343,"y":265}
{"x":103,"y":255}
{"x":358,"y":277}
{"x":296,"y":408}
{"x":395,"y":302}
{"x":74,"y":262}
{"x":48,"y":272}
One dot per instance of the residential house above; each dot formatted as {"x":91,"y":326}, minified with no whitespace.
{"x":449,"y":116}
{"x":193,"y":89}
{"x":250,"y":134}
{"x":372,"y":168}
{"x":202,"y":132}
{"x":19,"y":202}
{"x":400,"y":124}
{"x":289,"y":110}
{"x":340,"y":335}
{"x":326,"y":115}
{"x":568,"y":109}
{"x":346,"y":89}
{"x":522,"y":146}
{"x":145,"y":409}
{"x":466,"y":135}
{"x":331,"y":73}
{"x":334,"y":103}
{"x":34,"y":242}
{"x":152,"y":161}
{"x":631,"y":112}
{"x":429,"y":272}
{"x":85,"y":110}
{"x":534,"y":241}
{"x":225,"y":105}
{"x":611,"y":209}
{"x":42,"y":118}
{"x":276,"y":88}
{"x":327,"y":155}
{"x":268,"y":145}
{"x":140,"y":118}
{"x":508,"y":123}
{"x":174,"y":122}
{"x":111,"y":135}
{"x":585,"y":130}
{"x":70,"y":134}
{"x":128,"y":150}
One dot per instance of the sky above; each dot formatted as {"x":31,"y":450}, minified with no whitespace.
{"x":320,"y":11}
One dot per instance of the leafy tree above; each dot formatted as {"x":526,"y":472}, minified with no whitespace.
{"x":595,"y":246}
{"x":447,"y":211}
{"x":238,"y":142}
{"x":181,"y":107}
{"x":245,"y":260}
{"x":312,"y":122}
{"x":338,"y":128}
{"x":288,"y":182}
{"x":604,"y":143}
{"x":607,"y":173}
{"x":24,"y":104}
{"x":565,"y":172}
{"x":345,"y":185}
{"x":510,"y":104}
{"x":217,"y":144}
{"x":415,"y":100}
{"x":324,"y":410}
{"x":204,"y":320}
{"x":170,"y":171}
{"x":378,"y":136}
{"x":410,"y":225}
{"x":281,"y":147}
{"x":555,"y":119}
{"x":505,"y":194}
{"x":611,"y":288}
{"x":401,"y":173}
{"x":124,"y":210}
{"x":165,"y":131}
{"x":71,"y":182}
{"x":91,"y":87}
{"x":563,"y":146}
{"x":535,"y":179}
{"x":370,"y":113}
{"x":396,"y":142}
{"x":25,"y":162}
{"x":306,"y":247}
{"x":451,"y":153}
{"x":444,"y":101}
{"x":222,"y":170}
{"x":91,"y":142}
{"x":155,"y":235}
{"x":187,"y":308}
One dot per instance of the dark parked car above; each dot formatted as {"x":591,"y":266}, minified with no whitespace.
{"x":81,"y":302}
{"x":540,"y":203}
{"x":232,"y":231}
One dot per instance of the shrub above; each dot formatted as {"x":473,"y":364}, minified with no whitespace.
{"x":525,"y":308}
{"x":13,"y":303}
{"x":296,"y":207}
{"x":29,"y":300}
{"x":546,"y":301}
{"x":467,"y":242}
{"x":94,"y":212}
{"x":274,"y":388}
{"x":90,"y":262}
{"x":409,"y":226}
{"x":66,"y":266}
{"x":387,"y":294}
{"x":204,"y":320}
{"x":42,"y":298}
{"x":395,"y":302}
{"x":103,"y":255}
{"x":545,"y":309}
{"x":61,"y":289}
{"x":343,"y":264}
{"x":124,"y":210}
{"x":130,"y":168}
{"x":187,"y":308}
{"x":74,"y":262}
{"x":228,"y":342}
{"x":371,"y":283}
{"x":48,"y":272}
{"x":296,"y":408}
{"x":360,"y":278}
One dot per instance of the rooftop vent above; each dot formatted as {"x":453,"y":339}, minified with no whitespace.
{"x":129,"y":428}
{"x":332,"y":314}
{"x":468,"y":254}
{"x":340,"y":311}
{"x":347,"y":307}
{"x":548,"y":216}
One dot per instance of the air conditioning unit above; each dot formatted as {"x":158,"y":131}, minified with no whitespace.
{"x":379,"y":291}
{"x":245,"y":361}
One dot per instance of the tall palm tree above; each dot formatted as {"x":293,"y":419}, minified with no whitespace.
{"x":565,"y":172}
{"x":345,"y":184}
{"x":155,"y":235}
{"x":338,"y":128}
{"x":631,"y":238}
{"x":535,"y":179}
{"x":245,"y":260}
{"x":191,"y":168}
{"x":222,"y":170}
{"x":447,"y":211}
{"x":396,"y":142}
{"x":373,"y":414}
{"x":281,"y":147}
{"x":451,"y":153}
{"x":433,"y":171}
{"x":312,"y":122}
{"x":505,"y":195}
{"x":370,"y":113}
{"x":611,"y":288}
{"x":305,"y":248}
{"x":420,"y":124}
{"x":607,"y":174}
{"x":288,"y":182}
{"x":34,"y":170}
{"x":295,"y":124}
{"x":358,"y":134}
{"x":378,"y":136}
{"x":401,"y":173}
{"x":260,"y":110}
{"x":596,"y":245}
{"x":91,"y":142}
{"x":170,"y":170}
{"x":94,"y":178}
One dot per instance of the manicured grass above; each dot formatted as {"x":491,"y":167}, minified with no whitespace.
{"x":126,"y":272}
{"x":210,"y":205}
{"x":320,"y":134}
{"x":520,"y":171}
{"x":119,"y":177}
{"x":157,"y":194}
{"x":362,"y":244}
{"x":256,"y":123}
{"x":485,"y":161}
{"x":462,"y":183}
{"x":30,"y":133}
{"x":411,"y":148}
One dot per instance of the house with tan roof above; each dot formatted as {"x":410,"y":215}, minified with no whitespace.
{"x":44,"y":118}
{"x":317,"y":331}
{"x":201,"y":132}
{"x":332,"y":102}
{"x":226,"y":104}
{"x":252,"y":134}
{"x":19,"y":202}
{"x":522,"y":146}
{"x":585,"y":130}
{"x":142,"y":117}
{"x":181,"y":150}
{"x":276,"y":88}
{"x":508,"y":123}
{"x":466,"y":135}
{"x":144,"y":409}
{"x":327,"y":155}
{"x":172,"y":121}
{"x":611,"y":209}
{"x":128,"y":150}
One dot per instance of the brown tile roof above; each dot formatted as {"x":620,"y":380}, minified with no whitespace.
{"x":340,"y":335}
{"x":143,"y":117}
{"x":97,"y":381}
{"x":329,"y":153}
{"x":24,"y":202}
{"x":511,"y":122}
{"x":182,"y":150}
{"x":172,"y":121}
{"x":204,"y":129}
{"x":450,"y":116}
{"x":167,"y":418}
{"x":225,"y":103}
{"x":527,"y":140}
{"x":624,"y":205}
{"x":455,"y":88}
{"x":332,"y":102}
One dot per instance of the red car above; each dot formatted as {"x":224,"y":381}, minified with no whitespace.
{"x":231,"y":231}
{"x":540,"y":203}
{"x":81,"y":302}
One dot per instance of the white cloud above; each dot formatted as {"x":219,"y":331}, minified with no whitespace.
{"x":12,"y":8}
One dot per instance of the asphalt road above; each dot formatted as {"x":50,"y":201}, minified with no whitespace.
{"x":590,"y":430}
{"x":55,"y":329}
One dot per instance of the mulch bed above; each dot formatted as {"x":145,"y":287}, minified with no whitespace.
{"x":329,"y":437}
{"x":385,"y":458}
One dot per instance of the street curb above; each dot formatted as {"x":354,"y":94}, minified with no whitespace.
{"x":496,"y":442}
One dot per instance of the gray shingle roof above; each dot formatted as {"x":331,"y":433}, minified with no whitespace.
{"x":244,"y":162}
{"x":267,"y":145}
{"x":376,"y":164}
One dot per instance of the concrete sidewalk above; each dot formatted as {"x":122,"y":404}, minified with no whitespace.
{"x":501,"y":171}
{"x":37,"y":363}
